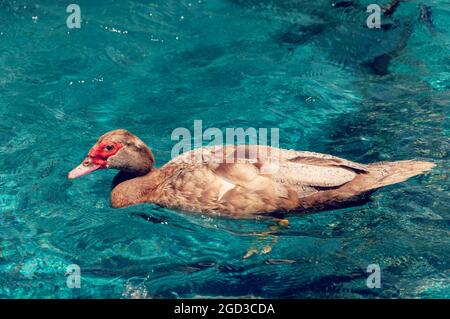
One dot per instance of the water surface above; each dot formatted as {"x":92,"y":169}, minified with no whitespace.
{"x":310,"y":69}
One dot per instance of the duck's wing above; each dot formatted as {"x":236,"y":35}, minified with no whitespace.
{"x":243,"y":164}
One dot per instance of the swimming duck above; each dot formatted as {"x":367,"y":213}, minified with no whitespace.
{"x":237,"y":180}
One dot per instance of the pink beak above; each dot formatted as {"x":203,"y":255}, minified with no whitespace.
{"x":84,"y":168}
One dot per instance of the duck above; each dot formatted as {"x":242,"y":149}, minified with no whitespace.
{"x":238,"y":180}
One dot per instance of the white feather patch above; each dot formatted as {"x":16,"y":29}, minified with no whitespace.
{"x":226,"y":185}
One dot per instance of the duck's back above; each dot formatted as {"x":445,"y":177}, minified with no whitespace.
{"x":247,"y":179}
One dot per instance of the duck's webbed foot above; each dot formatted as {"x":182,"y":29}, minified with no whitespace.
{"x":268,"y":238}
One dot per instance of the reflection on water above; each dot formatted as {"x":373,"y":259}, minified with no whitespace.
{"x":313,"y":70}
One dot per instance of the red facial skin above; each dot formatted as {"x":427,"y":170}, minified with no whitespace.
{"x":99,"y":154}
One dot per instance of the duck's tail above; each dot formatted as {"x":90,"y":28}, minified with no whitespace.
{"x":355,"y":192}
{"x":387,"y":173}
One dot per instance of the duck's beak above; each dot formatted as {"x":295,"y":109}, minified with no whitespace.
{"x":84,"y":168}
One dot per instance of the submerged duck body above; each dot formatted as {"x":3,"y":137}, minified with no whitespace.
{"x":238,"y":181}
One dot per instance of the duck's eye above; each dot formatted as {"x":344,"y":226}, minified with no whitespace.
{"x":109,"y":147}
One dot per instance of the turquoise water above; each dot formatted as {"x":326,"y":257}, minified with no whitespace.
{"x":305,"y":67}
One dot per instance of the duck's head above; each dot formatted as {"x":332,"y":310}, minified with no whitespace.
{"x":118,"y":149}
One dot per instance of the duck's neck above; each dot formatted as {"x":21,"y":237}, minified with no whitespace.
{"x":129,"y":190}
{"x":122,"y":177}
